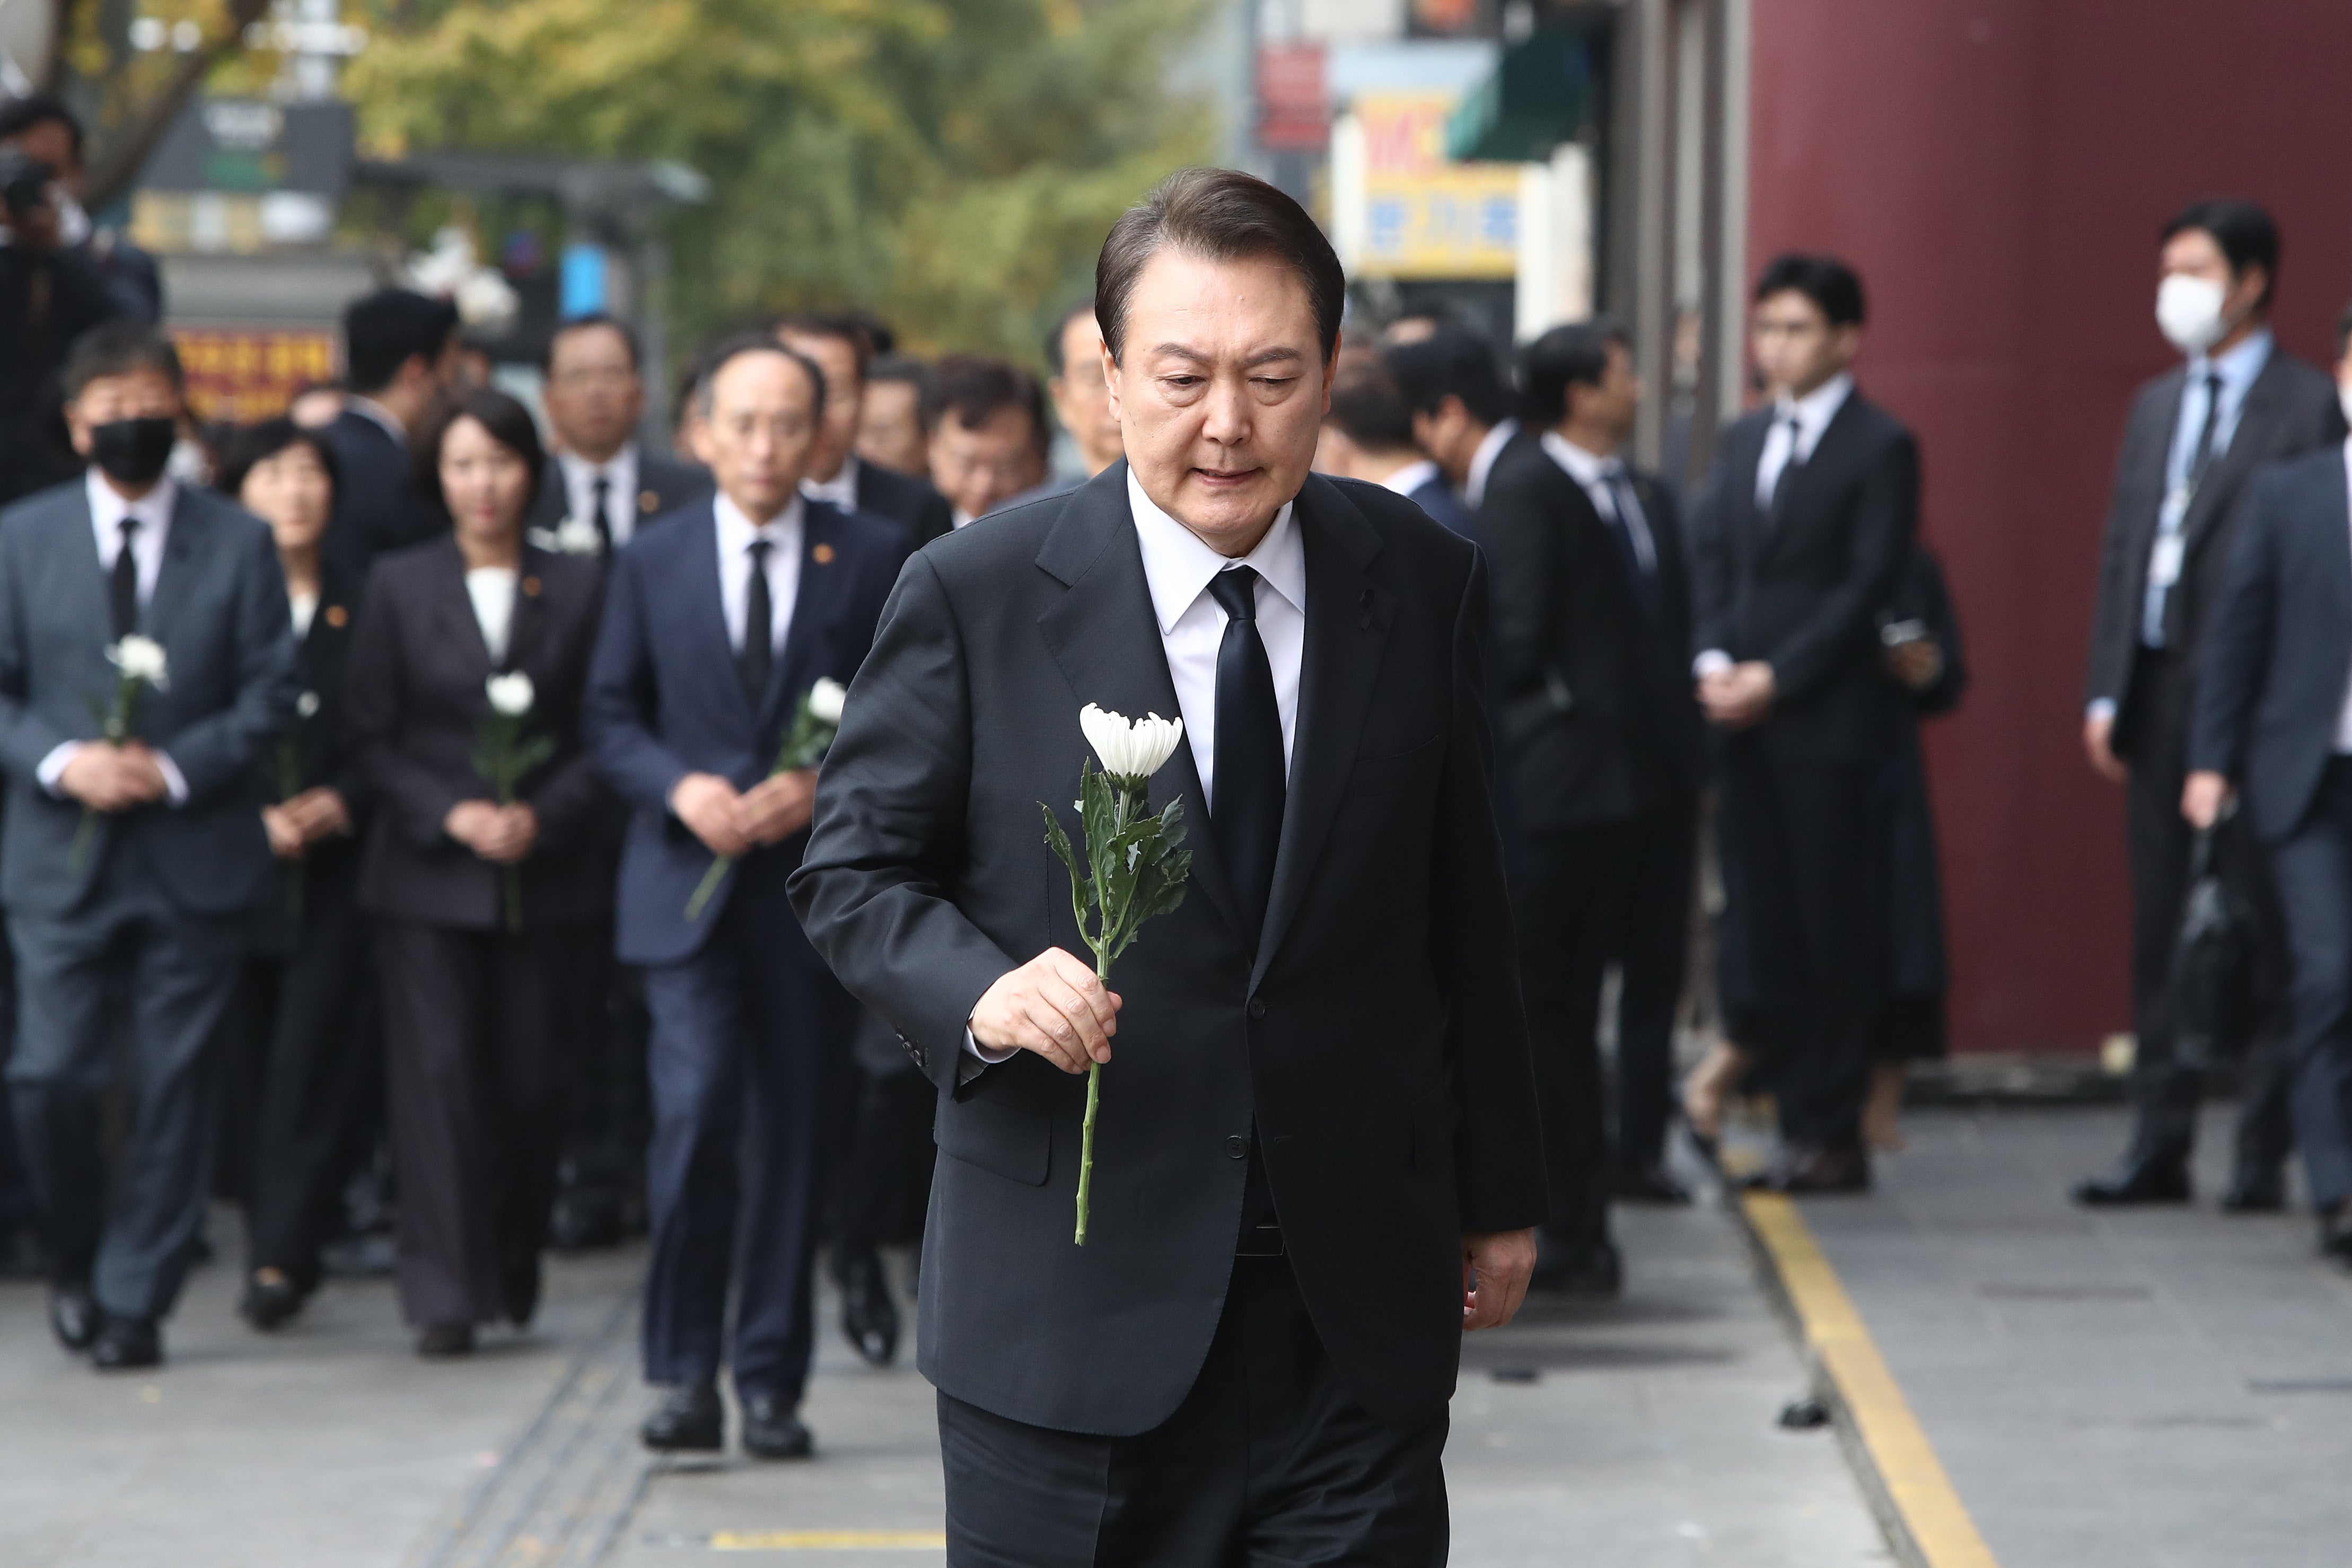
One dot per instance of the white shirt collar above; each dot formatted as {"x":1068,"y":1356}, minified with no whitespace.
{"x":622,"y":464}
{"x":1482,"y":461}
{"x":1177,"y":566}
{"x":107,"y":508}
{"x":367,"y":408}
{"x":737,"y":530}
{"x":2240,"y":366}
{"x":1816,"y":408}
{"x":1411,"y":477}
{"x":841,"y":489}
{"x":1586,"y":467}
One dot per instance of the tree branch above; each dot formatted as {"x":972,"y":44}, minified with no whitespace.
{"x":126,"y":151}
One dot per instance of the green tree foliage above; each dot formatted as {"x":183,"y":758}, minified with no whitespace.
{"x":951,"y":163}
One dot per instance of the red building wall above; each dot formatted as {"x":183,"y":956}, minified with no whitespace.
{"x":1997,"y":170}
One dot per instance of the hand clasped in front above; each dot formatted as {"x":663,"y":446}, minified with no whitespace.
{"x":1053,"y":1005}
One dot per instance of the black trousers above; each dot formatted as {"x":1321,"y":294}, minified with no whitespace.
{"x":478,"y":1073}
{"x":603,"y":1172}
{"x":2165,"y":1093}
{"x":2315,"y":881}
{"x":1803,"y":869}
{"x":883,"y":1184}
{"x":1268,"y":1461}
{"x":315,"y":1018}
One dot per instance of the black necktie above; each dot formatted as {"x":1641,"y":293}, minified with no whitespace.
{"x":1788,"y":471}
{"x":598,"y":502}
{"x":123,"y":589}
{"x":757,"y":662}
{"x":2202,"y":458}
{"x":1248,"y":778}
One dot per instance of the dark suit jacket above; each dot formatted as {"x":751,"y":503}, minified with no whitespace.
{"x":1436,"y":498}
{"x":910,"y":502}
{"x":314,"y":750}
{"x":377,"y":506}
{"x":415,"y":702}
{"x":2271,"y":677}
{"x":1376,"y":1034}
{"x":2290,"y":408}
{"x":1802,"y":591}
{"x":219,"y":610}
{"x":664,"y":701}
{"x":664,"y":484}
{"x":1595,"y":710}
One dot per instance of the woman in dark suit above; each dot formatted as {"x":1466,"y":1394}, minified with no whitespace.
{"x":307,"y":1001}
{"x":483,"y":907}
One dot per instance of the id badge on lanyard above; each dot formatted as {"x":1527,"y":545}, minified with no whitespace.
{"x":2164,"y":563}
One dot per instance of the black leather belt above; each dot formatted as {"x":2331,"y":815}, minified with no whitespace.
{"x":1260,"y":1241}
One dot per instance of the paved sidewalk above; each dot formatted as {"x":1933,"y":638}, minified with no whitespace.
{"x":2160,"y":1388}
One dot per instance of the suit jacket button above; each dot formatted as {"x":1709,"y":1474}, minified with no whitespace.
{"x":1237,"y":1147}
{"x":1257,"y":1007}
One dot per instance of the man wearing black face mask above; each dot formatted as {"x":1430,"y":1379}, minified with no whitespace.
{"x":127,"y":864}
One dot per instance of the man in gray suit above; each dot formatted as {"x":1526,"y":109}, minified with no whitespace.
{"x":127,"y":865}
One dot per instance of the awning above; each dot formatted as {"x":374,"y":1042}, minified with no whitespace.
{"x":1533,"y":102}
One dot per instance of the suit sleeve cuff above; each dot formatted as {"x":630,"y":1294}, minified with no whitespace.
{"x":1713,"y":661}
{"x":53,"y":765}
{"x":175,"y":783}
{"x":2100,"y":707}
{"x":987,"y":1057}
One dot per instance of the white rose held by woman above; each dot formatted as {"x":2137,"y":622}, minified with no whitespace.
{"x":504,"y":755}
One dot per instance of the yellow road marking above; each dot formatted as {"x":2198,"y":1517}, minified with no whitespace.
{"x":829,"y":1541}
{"x":1914,"y":1478}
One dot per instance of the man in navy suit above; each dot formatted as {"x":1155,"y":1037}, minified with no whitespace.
{"x":2272,"y":712}
{"x":716,"y":623}
{"x":1368,"y":435}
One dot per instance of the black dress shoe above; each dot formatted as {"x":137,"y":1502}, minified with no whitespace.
{"x":443,"y":1340}
{"x":1588,"y":1270}
{"x":268,"y":1303}
{"x":773,"y":1430}
{"x":1808,"y":1172}
{"x":74,"y":1316}
{"x":2136,"y":1181}
{"x":690,"y":1421}
{"x":869,"y":1315}
{"x":125,"y":1344}
{"x":1652,"y":1183}
{"x":2256,"y":1192}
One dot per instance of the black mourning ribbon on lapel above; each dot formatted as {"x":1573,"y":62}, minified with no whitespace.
{"x":1249,"y":777}
{"x":757,"y":662}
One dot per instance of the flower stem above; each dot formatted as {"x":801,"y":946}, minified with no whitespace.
{"x":1086,"y":1135}
{"x":707,"y":886}
{"x":84,"y":835}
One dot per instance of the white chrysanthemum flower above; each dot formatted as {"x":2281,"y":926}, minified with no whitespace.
{"x":510,"y":693}
{"x":140,"y":659}
{"x":827,"y":699}
{"x":307,"y":704}
{"x":578,"y":536}
{"x":1133,"y":749}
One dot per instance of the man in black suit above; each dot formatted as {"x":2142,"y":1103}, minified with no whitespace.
{"x":2196,"y":434}
{"x":1461,"y":410}
{"x":400,"y":353}
{"x":1600,"y":755}
{"x":1808,"y":519}
{"x":838,"y":346}
{"x":2270,"y":710}
{"x":1318,"y":1126}
{"x":129,"y":867}
{"x":717,"y":626}
{"x":600,"y":480}
{"x":988,"y":436}
{"x":1368,"y":435}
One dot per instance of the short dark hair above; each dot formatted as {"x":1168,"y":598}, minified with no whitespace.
{"x":1825,"y":280}
{"x":839,"y":325}
{"x":2246,"y":234}
{"x":1366,"y":404}
{"x":581,"y":323}
{"x":1222,"y":215}
{"x":509,"y":422}
{"x":122,"y":348}
{"x":244,"y":446}
{"x":877,"y":331}
{"x":975,"y":389}
{"x":727,"y":350}
{"x":1053,"y":362}
{"x":1451,"y":361}
{"x":907,"y":371}
{"x":385,"y":330}
{"x":1565,"y":357}
{"x":19,"y":115}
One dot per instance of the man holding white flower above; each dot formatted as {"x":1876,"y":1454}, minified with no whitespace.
{"x":729,"y":632}
{"x":145,"y":661}
{"x":1316,"y":1158}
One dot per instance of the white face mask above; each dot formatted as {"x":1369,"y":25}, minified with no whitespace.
{"x":2189,"y":312}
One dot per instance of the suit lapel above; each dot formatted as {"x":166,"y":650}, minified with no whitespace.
{"x":706,"y":609}
{"x":1747,"y":518}
{"x":452,"y":613}
{"x":528,"y":629}
{"x":183,"y":554}
{"x":1348,"y":617}
{"x":1800,"y":481}
{"x":816,"y":605}
{"x":2226,"y":477}
{"x":1104,"y":637}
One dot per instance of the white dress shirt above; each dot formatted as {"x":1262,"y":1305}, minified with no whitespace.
{"x":620,"y":477}
{"x":1177,"y":567}
{"x":1598,"y":477}
{"x":305,"y":607}
{"x":841,"y":489}
{"x":735,"y":533}
{"x":1411,"y":477}
{"x":492,"y":590}
{"x":1482,"y":461}
{"x":1813,"y":412}
{"x":107,"y":511}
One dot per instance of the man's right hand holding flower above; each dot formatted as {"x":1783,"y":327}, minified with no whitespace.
{"x":109,"y":777}
{"x":1054,"y":1004}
